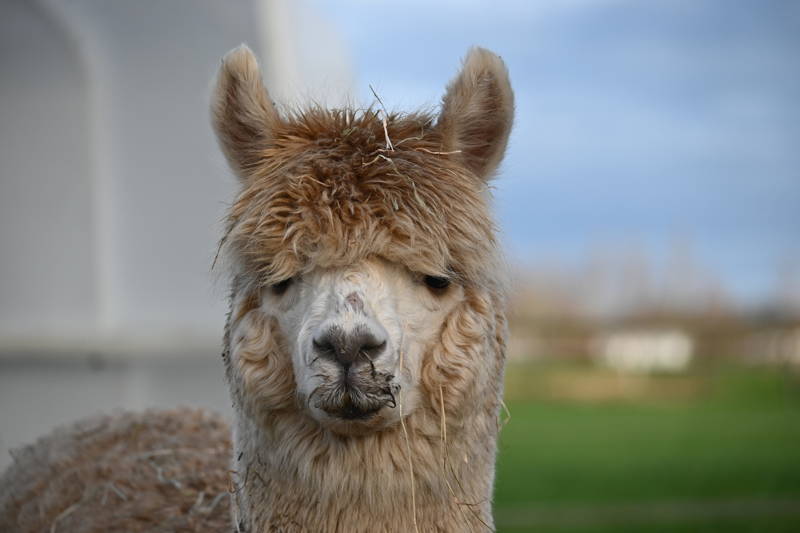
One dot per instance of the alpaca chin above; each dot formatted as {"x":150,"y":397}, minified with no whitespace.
{"x":355,"y":427}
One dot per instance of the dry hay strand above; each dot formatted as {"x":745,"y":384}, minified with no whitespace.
{"x":421,"y":149}
{"x":384,"y":120}
{"x":390,"y":147}
{"x":148,"y":468}
{"x":65,"y":513}
{"x":410,"y":460}
{"x":448,"y":469}
{"x":507,"y":419}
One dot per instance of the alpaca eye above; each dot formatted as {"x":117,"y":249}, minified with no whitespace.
{"x":436,"y":283}
{"x":281,"y":287}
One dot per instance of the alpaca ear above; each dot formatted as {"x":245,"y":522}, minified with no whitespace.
{"x":241,"y":111}
{"x":477,"y":112}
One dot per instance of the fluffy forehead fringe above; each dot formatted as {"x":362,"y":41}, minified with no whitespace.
{"x":334,"y":187}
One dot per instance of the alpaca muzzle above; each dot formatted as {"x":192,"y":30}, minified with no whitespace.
{"x":355,"y":387}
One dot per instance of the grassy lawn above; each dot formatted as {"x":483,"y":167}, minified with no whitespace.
{"x":716,"y":450}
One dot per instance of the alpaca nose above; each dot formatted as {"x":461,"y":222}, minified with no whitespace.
{"x":359,"y":346}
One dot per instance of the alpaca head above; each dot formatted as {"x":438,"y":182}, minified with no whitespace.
{"x":362,"y":252}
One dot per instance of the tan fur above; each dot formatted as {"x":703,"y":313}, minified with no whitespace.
{"x":325,"y":189}
{"x":320,"y":189}
{"x":478,"y":111}
{"x":153,"y":471}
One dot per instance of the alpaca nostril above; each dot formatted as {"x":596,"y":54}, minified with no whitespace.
{"x":323,"y":346}
{"x":373,"y":349}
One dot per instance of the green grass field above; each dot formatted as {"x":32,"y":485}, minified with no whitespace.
{"x":586,"y":450}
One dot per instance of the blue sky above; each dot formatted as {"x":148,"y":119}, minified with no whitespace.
{"x":639,"y":124}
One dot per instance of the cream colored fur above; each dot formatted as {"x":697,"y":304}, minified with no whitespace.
{"x":348,"y":202}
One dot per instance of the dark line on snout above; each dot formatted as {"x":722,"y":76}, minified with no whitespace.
{"x":355,"y":302}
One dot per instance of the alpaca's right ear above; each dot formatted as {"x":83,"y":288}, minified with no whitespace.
{"x":241,"y":111}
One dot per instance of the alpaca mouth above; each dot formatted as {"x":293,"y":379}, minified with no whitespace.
{"x":351,"y":411}
{"x":350,"y":399}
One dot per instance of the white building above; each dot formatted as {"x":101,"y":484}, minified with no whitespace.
{"x":644,"y":351}
{"x":112,"y":188}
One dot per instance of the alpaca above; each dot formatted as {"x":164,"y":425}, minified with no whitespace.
{"x":365,"y":343}
{"x":366,"y":337}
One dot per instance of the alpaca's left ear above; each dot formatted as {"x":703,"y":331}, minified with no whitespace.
{"x":477,"y":112}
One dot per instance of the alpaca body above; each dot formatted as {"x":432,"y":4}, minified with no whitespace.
{"x":334,"y":484}
{"x":377,"y":225}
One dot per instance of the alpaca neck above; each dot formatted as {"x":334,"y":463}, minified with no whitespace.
{"x":292,"y":475}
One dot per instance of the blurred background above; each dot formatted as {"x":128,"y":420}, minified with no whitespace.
{"x":649,"y":203}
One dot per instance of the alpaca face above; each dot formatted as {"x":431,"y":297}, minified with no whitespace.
{"x":356,"y":337}
{"x":357,"y":238}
